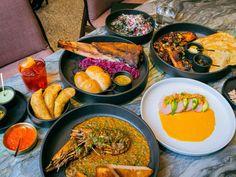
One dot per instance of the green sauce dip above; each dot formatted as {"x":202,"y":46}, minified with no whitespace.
{"x":6,"y":96}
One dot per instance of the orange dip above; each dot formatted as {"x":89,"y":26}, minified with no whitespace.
{"x":189,"y":126}
{"x":27,"y":134}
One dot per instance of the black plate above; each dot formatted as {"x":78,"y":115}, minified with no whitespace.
{"x":15,"y":113}
{"x":169,"y":69}
{"x":136,"y":39}
{"x":229,"y":85}
{"x":60,"y":131}
{"x":69,"y":65}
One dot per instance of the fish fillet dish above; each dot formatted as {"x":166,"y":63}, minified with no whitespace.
{"x":183,"y":102}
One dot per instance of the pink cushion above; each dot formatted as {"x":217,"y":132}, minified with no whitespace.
{"x":20,"y":33}
{"x":12,"y":68}
{"x":98,"y":7}
{"x":100,"y":20}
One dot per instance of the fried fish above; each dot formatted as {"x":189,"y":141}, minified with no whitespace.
{"x":111,"y":51}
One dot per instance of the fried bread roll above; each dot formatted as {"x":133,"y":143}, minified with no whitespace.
{"x":63,"y":97}
{"x":50,"y":95}
{"x":93,"y":80}
{"x":38,"y":105}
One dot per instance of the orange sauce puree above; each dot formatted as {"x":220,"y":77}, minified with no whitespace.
{"x":26,"y":134}
{"x":189,"y":126}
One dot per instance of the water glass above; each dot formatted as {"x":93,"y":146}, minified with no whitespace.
{"x":165,"y":15}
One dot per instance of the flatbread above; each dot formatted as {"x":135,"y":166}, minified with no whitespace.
{"x":224,"y":46}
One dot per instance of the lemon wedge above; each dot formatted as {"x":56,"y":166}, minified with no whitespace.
{"x":28,"y":63}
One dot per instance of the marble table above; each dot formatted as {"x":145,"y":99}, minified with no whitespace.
{"x":218,"y":14}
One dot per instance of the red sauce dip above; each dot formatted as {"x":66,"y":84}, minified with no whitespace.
{"x":23,"y":133}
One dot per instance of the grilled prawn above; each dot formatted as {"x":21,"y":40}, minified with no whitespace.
{"x":85,"y":140}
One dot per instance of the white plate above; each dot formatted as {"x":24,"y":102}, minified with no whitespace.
{"x":225,"y":118}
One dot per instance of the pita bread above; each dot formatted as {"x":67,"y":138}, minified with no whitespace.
{"x":224,"y":46}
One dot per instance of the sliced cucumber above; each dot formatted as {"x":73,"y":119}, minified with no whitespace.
{"x":173,"y":106}
{"x":185,"y":102}
{"x":195,"y":103}
{"x":205,"y":106}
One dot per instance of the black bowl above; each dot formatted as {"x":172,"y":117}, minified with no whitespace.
{"x":16,"y":112}
{"x":190,"y":54}
{"x":69,"y":65}
{"x":121,"y":87}
{"x":171,"y":70}
{"x":42,"y":122}
{"x":59,"y":133}
{"x":201,"y":63}
{"x":136,"y":39}
{"x":229,"y":85}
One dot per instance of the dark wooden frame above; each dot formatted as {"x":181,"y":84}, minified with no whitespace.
{"x":85,"y":27}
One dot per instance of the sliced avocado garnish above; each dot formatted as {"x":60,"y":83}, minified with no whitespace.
{"x":166,"y":101}
{"x":173,"y":106}
{"x":195,"y":103}
{"x":205,"y":106}
{"x":185,"y":102}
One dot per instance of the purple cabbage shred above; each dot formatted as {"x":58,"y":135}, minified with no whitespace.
{"x":109,"y":66}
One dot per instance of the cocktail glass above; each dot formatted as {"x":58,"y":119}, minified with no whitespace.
{"x":34,"y":75}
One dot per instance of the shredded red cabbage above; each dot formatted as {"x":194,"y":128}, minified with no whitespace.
{"x":109,"y":66}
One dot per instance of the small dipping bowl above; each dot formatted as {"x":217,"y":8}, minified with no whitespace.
{"x":122,"y":80}
{"x":23,"y":134}
{"x":192,"y":49}
{"x":3,"y":113}
{"x":228,"y":86}
{"x":201,"y":63}
{"x":7,"y":96}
